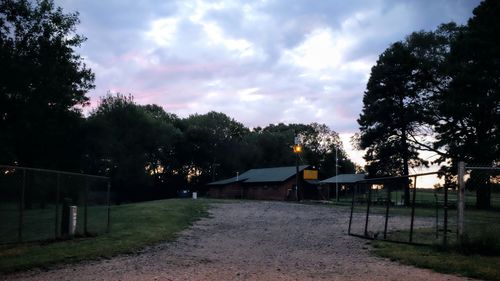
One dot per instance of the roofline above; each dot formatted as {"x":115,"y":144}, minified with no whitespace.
{"x":243,"y":180}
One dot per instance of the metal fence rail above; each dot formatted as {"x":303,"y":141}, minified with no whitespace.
{"x":381,"y":209}
{"x":31,"y":202}
{"x":437,"y":210}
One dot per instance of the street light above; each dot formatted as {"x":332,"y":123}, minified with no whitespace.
{"x":297,"y":148}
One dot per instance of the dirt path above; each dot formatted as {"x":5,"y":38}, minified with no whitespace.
{"x":252,"y":241}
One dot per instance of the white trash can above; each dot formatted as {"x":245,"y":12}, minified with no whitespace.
{"x":195,"y":195}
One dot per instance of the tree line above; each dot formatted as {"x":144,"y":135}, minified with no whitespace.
{"x":148,"y":152}
{"x":437,"y":91}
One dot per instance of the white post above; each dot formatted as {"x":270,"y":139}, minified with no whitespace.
{"x":461,"y":200}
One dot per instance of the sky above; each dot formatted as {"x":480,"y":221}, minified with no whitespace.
{"x":259,"y":62}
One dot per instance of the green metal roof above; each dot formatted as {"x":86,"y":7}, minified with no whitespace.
{"x":223,"y":182}
{"x":278,"y":174}
{"x":345,"y":178}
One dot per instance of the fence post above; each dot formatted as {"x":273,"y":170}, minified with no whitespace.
{"x":58,"y":188}
{"x":85,"y":204}
{"x":368,"y":208}
{"x":388,"y":203}
{"x":461,"y":201}
{"x":354,"y":187}
{"x":413,"y":207}
{"x":108,"y":226}
{"x":437,"y":212}
{"x":445,"y":208}
{"x":21,"y":208}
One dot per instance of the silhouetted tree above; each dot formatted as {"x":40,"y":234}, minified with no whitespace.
{"x":209,"y":148}
{"x":470,"y":108}
{"x":391,"y":112}
{"x":43,"y":83}
{"x":134,"y":145}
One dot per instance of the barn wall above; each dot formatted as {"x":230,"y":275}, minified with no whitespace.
{"x":257,"y":191}
{"x":260,"y":191}
{"x":268,"y":191}
{"x":230,"y":191}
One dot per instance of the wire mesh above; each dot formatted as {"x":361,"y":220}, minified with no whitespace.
{"x":32,"y":202}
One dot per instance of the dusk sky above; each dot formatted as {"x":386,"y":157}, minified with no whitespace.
{"x":259,"y":62}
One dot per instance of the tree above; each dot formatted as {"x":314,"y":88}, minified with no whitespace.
{"x":321,"y":146}
{"x":133,"y":144}
{"x":319,"y":142}
{"x":470,"y":108}
{"x":210,"y":147}
{"x":42,"y":84}
{"x":391,"y":113}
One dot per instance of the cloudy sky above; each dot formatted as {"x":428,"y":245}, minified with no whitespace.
{"x":259,"y":62}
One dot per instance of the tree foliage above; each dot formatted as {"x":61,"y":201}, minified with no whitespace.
{"x":391,"y":113}
{"x":42,"y":80}
{"x":150,"y":153}
{"x":133,"y":144}
{"x":470,"y":108}
{"x":210,"y":146}
{"x":436,"y":91}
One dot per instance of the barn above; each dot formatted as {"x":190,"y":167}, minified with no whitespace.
{"x":263,"y":184}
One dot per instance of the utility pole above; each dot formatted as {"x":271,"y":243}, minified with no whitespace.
{"x":336,"y":175}
{"x":297,"y":149}
{"x":297,"y":175}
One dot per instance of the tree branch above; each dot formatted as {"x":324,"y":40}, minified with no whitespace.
{"x":427,"y":147}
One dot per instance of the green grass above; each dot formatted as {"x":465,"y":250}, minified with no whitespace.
{"x":39,"y":224}
{"x":478,"y":257}
{"x":133,"y":226}
{"x":452,"y":262}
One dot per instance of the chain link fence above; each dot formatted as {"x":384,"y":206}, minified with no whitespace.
{"x":34,"y":202}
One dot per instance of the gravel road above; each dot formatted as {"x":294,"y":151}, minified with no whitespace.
{"x":252,"y":241}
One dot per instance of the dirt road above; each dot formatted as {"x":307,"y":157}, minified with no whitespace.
{"x":252,"y":241}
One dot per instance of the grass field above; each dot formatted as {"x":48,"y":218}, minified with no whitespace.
{"x":478,"y":257}
{"x":133,"y":226}
{"x":425,"y":196}
{"x":445,"y":261}
{"x":39,"y":224}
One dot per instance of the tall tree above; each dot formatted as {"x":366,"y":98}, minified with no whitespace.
{"x":42,"y":81}
{"x":431,"y":51}
{"x":470,"y":108}
{"x":391,"y":113}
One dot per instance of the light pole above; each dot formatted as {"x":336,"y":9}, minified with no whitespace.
{"x":297,"y":149}
{"x":336,"y":175}
{"x":337,"y":196}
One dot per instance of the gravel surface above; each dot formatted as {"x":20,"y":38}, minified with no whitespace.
{"x":252,"y":241}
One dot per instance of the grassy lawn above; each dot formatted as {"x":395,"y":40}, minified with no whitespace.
{"x":479,"y":257}
{"x":133,"y":226}
{"x":476,"y":266}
